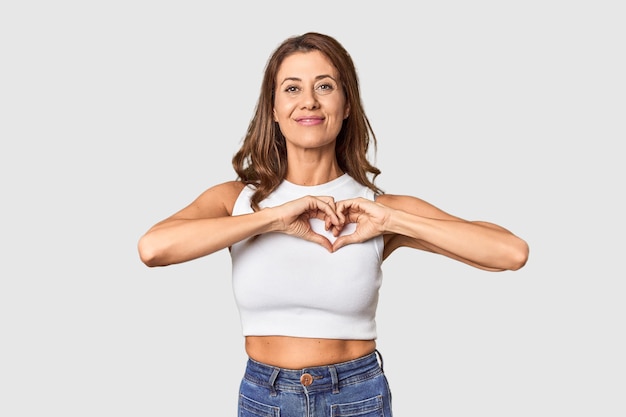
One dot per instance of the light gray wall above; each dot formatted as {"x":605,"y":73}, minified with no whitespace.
{"x":116,"y":114}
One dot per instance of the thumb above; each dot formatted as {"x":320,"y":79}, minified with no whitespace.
{"x":320,"y":240}
{"x":344,"y":240}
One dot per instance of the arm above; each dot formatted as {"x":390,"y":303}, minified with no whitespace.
{"x":411,"y":222}
{"x":206,"y":225}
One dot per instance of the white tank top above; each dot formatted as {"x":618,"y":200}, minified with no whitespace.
{"x":287,"y":286}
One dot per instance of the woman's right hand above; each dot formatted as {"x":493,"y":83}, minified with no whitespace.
{"x":294,"y":218}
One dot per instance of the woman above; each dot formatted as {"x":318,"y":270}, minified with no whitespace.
{"x":308,"y":230}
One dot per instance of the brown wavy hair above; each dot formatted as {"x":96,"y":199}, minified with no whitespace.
{"x":262,"y":158}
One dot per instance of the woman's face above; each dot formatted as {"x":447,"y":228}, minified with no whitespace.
{"x":309,"y":103}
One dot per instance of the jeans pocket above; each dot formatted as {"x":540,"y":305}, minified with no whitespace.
{"x":251,"y":408}
{"x":371,"y":407}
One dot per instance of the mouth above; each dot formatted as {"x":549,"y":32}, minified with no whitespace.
{"x":309,"y":120}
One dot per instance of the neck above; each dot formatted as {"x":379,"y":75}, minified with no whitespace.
{"x":313,"y":174}
{"x":312,"y":166}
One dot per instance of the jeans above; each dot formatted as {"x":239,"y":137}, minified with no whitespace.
{"x":357,"y":388}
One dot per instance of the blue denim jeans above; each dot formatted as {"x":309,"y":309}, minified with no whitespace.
{"x":356,"y":388}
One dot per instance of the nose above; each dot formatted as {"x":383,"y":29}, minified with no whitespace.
{"x":309,"y":100}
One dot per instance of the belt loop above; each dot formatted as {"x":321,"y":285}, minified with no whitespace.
{"x":380,"y":359}
{"x":335,"y":379}
{"x":272,"y":380}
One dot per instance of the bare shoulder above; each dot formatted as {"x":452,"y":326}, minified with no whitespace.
{"x":226,"y":192}
{"x":216,"y":201}
{"x":413,"y":205}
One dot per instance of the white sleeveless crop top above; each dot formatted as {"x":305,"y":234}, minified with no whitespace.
{"x":288,"y":286}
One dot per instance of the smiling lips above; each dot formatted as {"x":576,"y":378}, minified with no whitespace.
{"x":309,"y":121}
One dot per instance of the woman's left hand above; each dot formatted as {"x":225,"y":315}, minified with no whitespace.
{"x":370,"y":219}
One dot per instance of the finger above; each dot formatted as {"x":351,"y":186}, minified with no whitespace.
{"x":320,"y":240}
{"x":331,"y":202}
{"x":348,"y":207}
{"x":327,"y":200}
{"x":341,"y":215}
{"x":336,"y":226}
{"x":328,"y":208}
{"x":336,"y":230}
{"x":322,"y":215}
{"x":328,"y":221}
{"x":345,"y":240}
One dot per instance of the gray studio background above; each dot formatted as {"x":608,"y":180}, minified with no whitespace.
{"x":113,"y":115}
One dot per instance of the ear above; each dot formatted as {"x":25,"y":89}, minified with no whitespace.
{"x":274,"y":114}
{"x":346,"y":113}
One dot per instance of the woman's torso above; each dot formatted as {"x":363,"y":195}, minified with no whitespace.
{"x":303,"y":344}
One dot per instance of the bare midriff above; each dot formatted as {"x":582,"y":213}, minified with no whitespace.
{"x":297,"y":352}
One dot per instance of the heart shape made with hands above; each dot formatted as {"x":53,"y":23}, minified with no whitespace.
{"x":318,"y":227}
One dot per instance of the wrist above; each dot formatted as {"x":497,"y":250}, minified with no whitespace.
{"x":270,"y":220}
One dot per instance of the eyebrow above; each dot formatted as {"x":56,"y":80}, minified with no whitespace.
{"x":317,"y":78}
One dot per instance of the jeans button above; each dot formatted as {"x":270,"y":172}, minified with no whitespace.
{"x":306,"y":380}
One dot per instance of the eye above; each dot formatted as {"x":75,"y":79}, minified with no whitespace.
{"x":325,"y":88}
{"x":292,"y":89}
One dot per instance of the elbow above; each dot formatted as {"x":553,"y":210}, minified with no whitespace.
{"x":149,"y":252}
{"x":519,"y":256}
